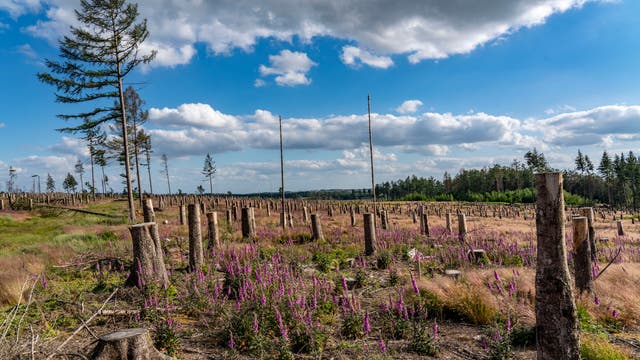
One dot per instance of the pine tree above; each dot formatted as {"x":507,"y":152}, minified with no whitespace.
{"x":97,"y":55}
{"x":51,"y":184}
{"x":209,"y":170}
{"x":95,"y":138}
{"x":70,"y":183}
{"x":79,"y":169}
{"x":165,"y":170}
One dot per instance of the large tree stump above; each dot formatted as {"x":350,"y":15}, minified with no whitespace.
{"x":556,"y":316}
{"x":424,"y":224}
{"x":316,"y":227}
{"x":462,"y":227}
{"x":213,"y":232}
{"x":582,"y":257}
{"x":148,"y":267}
{"x":248,"y":223}
{"x":150,"y":216}
{"x":129,"y":344}
{"x":369,"y":234}
{"x":196,"y":253}
{"x":588,"y":212}
{"x":448,"y":222}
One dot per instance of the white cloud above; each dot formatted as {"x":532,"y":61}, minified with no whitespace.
{"x":590,"y":127}
{"x":355,"y":56}
{"x":192,"y":128}
{"x":290,"y":68}
{"x":16,"y":8}
{"x":259,"y":83}
{"x":418,"y":29}
{"x":197,"y":115}
{"x":409,"y":107}
{"x":2,"y":125}
{"x":77,"y":148}
{"x":27,"y":51}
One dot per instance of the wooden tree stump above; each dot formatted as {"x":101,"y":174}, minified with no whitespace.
{"x":448,"y":223}
{"x":424,"y":222}
{"x":384,"y":219}
{"x":248,"y":223}
{"x":462,"y":227}
{"x":620,"y":228}
{"x":183,"y":214}
{"x":213,"y":232}
{"x":582,"y":258}
{"x":196,"y":252}
{"x":316,"y":227}
{"x":556,"y":316}
{"x":369,"y":234}
{"x":147,"y":268}
{"x":588,"y":213}
{"x":128,"y":344}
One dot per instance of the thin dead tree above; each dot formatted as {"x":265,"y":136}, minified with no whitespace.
{"x":283,"y":218}
{"x":373,"y":181}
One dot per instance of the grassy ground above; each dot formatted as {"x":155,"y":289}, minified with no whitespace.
{"x":283,"y":296}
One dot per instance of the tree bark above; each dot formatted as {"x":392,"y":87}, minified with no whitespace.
{"x":556,"y":317}
{"x":213,"y":232}
{"x":316,"y":227}
{"x":147,"y":267}
{"x":582,"y":257}
{"x":369,"y":234}
{"x":196,"y":253}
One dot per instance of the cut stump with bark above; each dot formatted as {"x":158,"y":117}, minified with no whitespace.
{"x":128,"y":344}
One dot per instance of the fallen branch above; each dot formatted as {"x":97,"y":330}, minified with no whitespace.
{"x":83,"y":211}
{"x":609,"y":264}
{"x":83,"y":325}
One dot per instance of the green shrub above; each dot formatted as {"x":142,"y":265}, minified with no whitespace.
{"x":593,"y":347}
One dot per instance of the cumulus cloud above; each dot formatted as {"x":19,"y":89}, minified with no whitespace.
{"x":409,"y":107}
{"x":289,"y":67}
{"x":71,"y":146}
{"x":355,"y":56}
{"x":418,"y":29}
{"x":192,"y":128}
{"x":590,"y":127}
{"x":27,"y":51}
{"x":2,"y":125}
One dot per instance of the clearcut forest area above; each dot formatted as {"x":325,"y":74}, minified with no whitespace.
{"x":462,"y":288}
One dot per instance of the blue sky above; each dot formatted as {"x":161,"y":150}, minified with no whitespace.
{"x":454,"y":84}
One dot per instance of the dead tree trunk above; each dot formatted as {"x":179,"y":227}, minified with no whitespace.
{"x":150,"y":216}
{"x":582,"y":257}
{"x":183,"y":214}
{"x":196,"y":253}
{"x":369,"y":234}
{"x":425,"y":224}
{"x":384,"y":219}
{"x":620,"y":228}
{"x":147,"y":267}
{"x":462,"y":227}
{"x":316,"y":227}
{"x":556,"y":317}
{"x":448,"y":223}
{"x":213,"y":232}
{"x":248,"y":223}
{"x":588,"y":212}
{"x":127,"y":344}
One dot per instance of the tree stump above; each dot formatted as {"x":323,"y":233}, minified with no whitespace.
{"x":128,"y":344}
{"x":183,"y":214}
{"x":148,"y":267}
{"x":213,"y":232}
{"x":620,"y":228}
{"x":248,"y":223}
{"x":424,"y":224}
{"x":369,"y":234}
{"x":588,"y":212}
{"x":448,"y":222}
{"x":196,"y":253}
{"x":582,"y":258}
{"x":384,"y":219}
{"x":556,"y":316}
{"x":316,"y":227}
{"x":462,"y":227}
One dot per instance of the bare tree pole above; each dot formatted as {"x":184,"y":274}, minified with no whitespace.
{"x":373,"y":182}
{"x":283,"y":219}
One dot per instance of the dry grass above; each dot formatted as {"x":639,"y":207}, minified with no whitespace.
{"x":12,"y":278}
